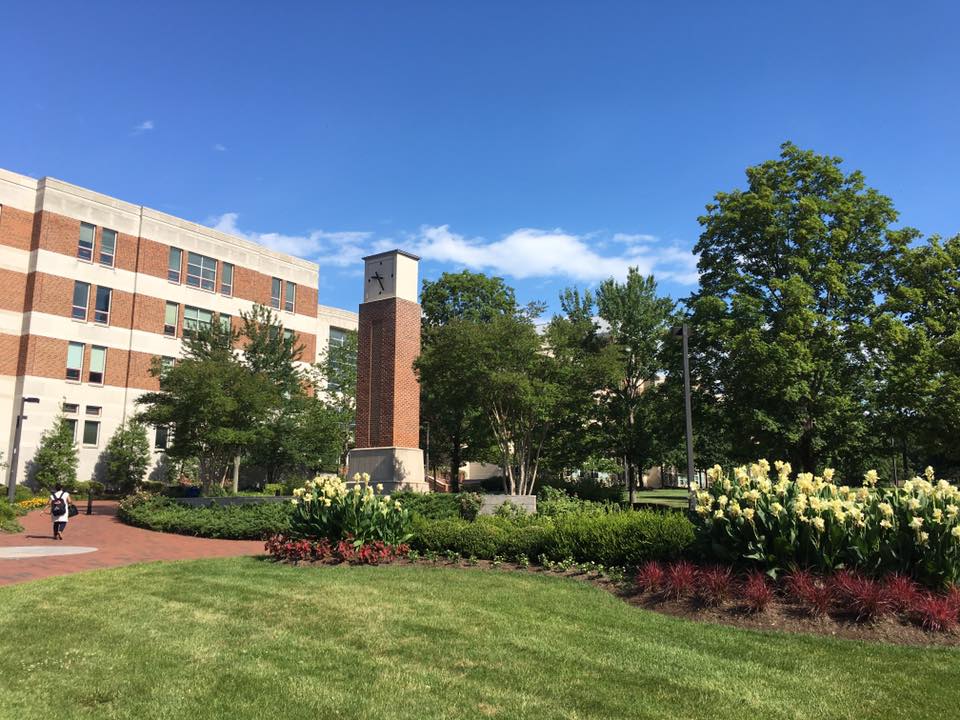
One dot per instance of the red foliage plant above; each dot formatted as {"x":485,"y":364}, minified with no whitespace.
{"x":715,"y":584}
{"x":297,"y":550}
{"x":680,"y":580}
{"x":844,"y":584}
{"x":935,"y":613}
{"x":650,"y":577}
{"x":867,"y":599}
{"x":901,"y":592}
{"x":813,"y":593}
{"x":757,"y":593}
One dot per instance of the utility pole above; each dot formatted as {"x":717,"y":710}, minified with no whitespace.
{"x":15,"y":459}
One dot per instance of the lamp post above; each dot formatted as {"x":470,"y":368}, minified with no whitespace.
{"x":683,"y":331}
{"x":15,"y":459}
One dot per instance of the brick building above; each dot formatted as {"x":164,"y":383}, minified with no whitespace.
{"x":93,"y":288}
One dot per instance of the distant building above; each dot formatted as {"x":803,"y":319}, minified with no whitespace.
{"x":93,"y":288}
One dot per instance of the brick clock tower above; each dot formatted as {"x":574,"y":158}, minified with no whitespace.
{"x":388,"y":394}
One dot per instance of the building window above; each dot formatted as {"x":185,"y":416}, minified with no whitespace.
{"x":94,"y":410}
{"x":101,"y":308}
{"x":226,"y":279}
{"x":91,"y":432}
{"x":287,"y":334}
{"x":108,"y":246}
{"x":226,"y":322}
{"x":275,"y":293}
{"x":74,"y":360}
{"x":170,"y":315}
{"x":81,"y":296}
{"x":338,"y":338}
{"x":166,"y":363}
{"x":98,"y":361}
{"x":196,"y":318}
{"x":160,"y":440}
{"x":291,"y":298}
{"x":85,"y":244}
{"x":71,"y":408}
{"x":72,"y":424}
{"x":174,"y":263}
{"x":201,"y":271}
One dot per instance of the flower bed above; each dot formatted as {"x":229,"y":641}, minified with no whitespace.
{"x":813,"y":522}
{"x":841,"y":597}
{"x":297,"y":550}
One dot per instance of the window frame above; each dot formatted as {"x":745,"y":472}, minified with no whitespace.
{"x":83,"y":439}
{"x":73,"y":301}
{"x":202,"y":282}
{"x":276,"y":292}
{"x":103,"y":370}
{"x":226,"y":288}
{"x":229,"y":318}
{"x":73,"y":423}
{"x":65,"y":408}
{"x":97,"y":312}
{"x":199,"y":324}
{"x":113,"y":253}
{"x":290,"y":304}
{"x":83,"y":253}
{"x":77,"y":370}
{"x":165,"y":432}
{"x":168,"y":329}
{"x":175,"y":276}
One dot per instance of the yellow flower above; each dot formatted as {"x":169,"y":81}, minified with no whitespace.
{"x":366,"y":478}
{"x":379,"y":487}
{"x":734,"y":509}
{"x":748,"y":513}
{"x":886,"y":508}
{"x":818,"y":523}
{"x":298,"y":492}
{"x":776,"y":508}
{"x":886,"y":524}
{"x":937,"y":515}
{"x":396,"y":505}
{"x":293,"y":501}
{"x":718,"y":515}
{"x":916,"y":523}
{"x":929,"y":474}
{"x":871,"y":478}
{"x":722,"y":500}
{"x":828,"y":474}
{"x":914,"y":504}
{"x":702,"y":509}
{"x":955,"y":531}
{"x":952,"y":510}
{"x":751,"y":496}
{"x":924,"y":537}
{"x":356,"y":477}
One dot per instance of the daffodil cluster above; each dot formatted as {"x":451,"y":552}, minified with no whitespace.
{"x":329,"y":507}
{"x":769,"y":515}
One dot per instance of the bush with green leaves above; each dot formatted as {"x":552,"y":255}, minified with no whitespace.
{"x":56,"y":458}
{"x":327,"y":508}
{"x":8,"y":517}
{"x":127,"y":456}
{"x":234,"y":522}
{"x":624,"y":538}
{"x":555,"y":501}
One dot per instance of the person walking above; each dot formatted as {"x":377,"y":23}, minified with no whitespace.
{"x":59,"y":510}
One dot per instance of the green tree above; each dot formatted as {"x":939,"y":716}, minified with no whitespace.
{"x":918,"y":346}
{"x":56,"y":458}
{"x":790,"y":271}
{"x":127,"y":456}
{"x":638,"y":321}
{"x":335,"y":378}
{"x":453,"y":306}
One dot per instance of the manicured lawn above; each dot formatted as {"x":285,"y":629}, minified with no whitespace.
{"x":671,"y":497}
{"x":243,"y":638}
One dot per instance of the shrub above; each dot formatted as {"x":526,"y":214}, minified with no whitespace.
{"x":901,"y":591}
{"x":326,"y":508}
{"x":650,"y":577}
{"x":554,"y":501}
{"x":8,"y":518}
{"x":813,"y":522}
{"x":470,"y":504}
{"x":56,"y":458}
{"x":623,"y":538}
{"x":680,"y":580}
{"x":715,"y":585}
{"x":298,"y":550}
{"x":866,"y":599}
{"x":21,"y":492}
{"x":237,"y":522}
{"x":757,"y":593}
{"x":934,"y":613}
{"x":811,"y":592}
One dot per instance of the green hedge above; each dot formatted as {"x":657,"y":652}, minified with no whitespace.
{"x":8,"y":517}
{"x":625,"y":538}
{"x":237,"y":522}
{"x":440,"y":506}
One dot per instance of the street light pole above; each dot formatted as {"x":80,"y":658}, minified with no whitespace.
{"x":15,"y":459}
{"x":684,"y":332}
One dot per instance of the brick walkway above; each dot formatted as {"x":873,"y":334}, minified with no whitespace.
{"x":117,"y":544}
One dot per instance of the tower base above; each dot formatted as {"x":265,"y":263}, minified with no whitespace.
{"x":396,"y":468}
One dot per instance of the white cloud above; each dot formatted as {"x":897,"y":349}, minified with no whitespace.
{"x":220,"y":148}
{"x":522,"y":254}
{"x":143,"y":127}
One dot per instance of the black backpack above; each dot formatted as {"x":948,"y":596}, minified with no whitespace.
{"x":58,"y":506}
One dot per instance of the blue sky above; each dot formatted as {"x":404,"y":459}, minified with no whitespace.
{"x":553,"y":143}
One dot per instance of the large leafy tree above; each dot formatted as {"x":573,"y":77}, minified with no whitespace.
{"x":127,"y":456}
{"x":453,"y":305}
{"x":56,"y":458}
{"x":335,"y":378}
{"x":638,"y":320}
{"x":918,"y":346}
{"x":790,"y":270}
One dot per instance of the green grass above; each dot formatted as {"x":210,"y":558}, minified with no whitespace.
{"x":670,"y":497}
{"x":244,"y":638}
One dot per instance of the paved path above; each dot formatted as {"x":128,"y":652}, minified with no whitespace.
{"x":117,"y":544}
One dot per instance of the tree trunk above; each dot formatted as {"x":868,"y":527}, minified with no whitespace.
{"x":631,"y":483}
{"x":236,"y":474}
{"x":455,"y":455}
